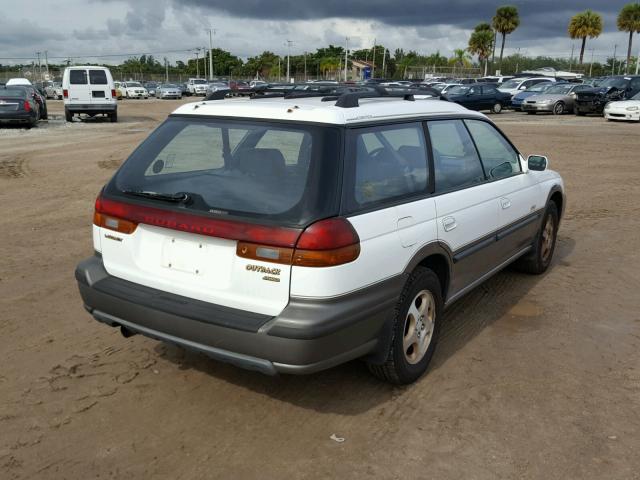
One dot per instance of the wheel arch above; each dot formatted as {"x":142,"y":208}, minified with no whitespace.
{"x":556,"y":195}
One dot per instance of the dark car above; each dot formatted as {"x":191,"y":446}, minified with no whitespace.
{"x":479,"y":96}
{"x":151,"y":87}
{"x":37,"y":97}
{"x":612,"y":89}
{"x":184,"y":89}
{"x":17,"y":105}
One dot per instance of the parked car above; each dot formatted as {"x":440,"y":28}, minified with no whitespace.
{"x":479,"y":96}
{"x":18,"y":81}
{"x":53,"y":90}
{"x":17,"y":105}
{"x":496,"y":79}
{"x":40,"y":100}
{"x":118,"y":87}
{"x":89,"y":90}
{"x":516,"y":85}
{"x":151,"y":88}
{"x":444,"y":88}
{"x":197,"y":86}
{"x":257,"y":83}
{"x":184,"y":89}
{"x":169,"y":90}
{"x":612,"y":89}
{"x":133,"y":90}
{"x":219,"y":86}
{"x":518,"y":99}
{"x":624,"y":109}
{"x":558,"y":99}
{"x":240,"y":88}
{"x":294,"y":239}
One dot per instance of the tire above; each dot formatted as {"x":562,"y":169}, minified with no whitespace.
{"x":113,"y":117}
{"x":558,"y":108}
{"x":409,"y":354}
{"x":497,"y":107}
{"x":539,"y":259}
{"x":68,"y":116}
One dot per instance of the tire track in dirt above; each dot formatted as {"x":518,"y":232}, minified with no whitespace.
{"x":17,"y":167}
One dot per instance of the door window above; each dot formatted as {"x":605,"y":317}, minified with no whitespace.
{"x":390,"y":162}
{"x":455,"y":158}
{"x":498,"y":156}
{"x":97,"y":77}
{"x":78,"y":77}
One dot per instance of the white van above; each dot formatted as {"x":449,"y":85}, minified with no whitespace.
{"x":89,"y":90}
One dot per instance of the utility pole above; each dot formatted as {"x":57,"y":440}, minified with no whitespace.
{"x":591,"y":65}
{"x":166,"y":70}
{"x":613,"y":67}
{"x":305,"y":66}
{"x":373,"y":68}
{"x":197,"y":63}
{"x":346,"y":56}
{"x":518,"y":60}
{"x":211,"y":54}
{"x":46,"y":61}
{"x":279,"y":75}
{"x":638,"y":62}
{"x":204,"y":61}
{"x":289,"y":43}
{"x":39,"y":67}
{"x":384,"y":62}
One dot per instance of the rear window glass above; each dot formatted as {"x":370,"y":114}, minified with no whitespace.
{"x":78,"y":77}
{"x":97,"y":77}
{"x":12,"y":93}
{"x":235,"y":168}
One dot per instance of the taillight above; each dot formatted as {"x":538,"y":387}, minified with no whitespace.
{"x":101,"y":218}
{"x":113,"y":93}
{"x":65,"y":93}
{"x":325,"y":243}
{"x":27,"y":106}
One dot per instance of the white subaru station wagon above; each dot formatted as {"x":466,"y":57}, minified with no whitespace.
{"x":292,"y":234}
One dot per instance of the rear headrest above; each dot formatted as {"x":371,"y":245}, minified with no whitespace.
{"x":261,"y":161}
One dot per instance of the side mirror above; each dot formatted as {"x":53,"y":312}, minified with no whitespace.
{"x":538,"y":163}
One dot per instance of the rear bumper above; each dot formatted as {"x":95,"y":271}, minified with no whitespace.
{"x":91,"y":107}
{"x":309,"y":335}
{"x":18,"y":117}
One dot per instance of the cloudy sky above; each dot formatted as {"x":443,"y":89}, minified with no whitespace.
{"x":84,"y":29}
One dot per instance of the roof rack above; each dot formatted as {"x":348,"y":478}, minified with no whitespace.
{"x":352,"y":99}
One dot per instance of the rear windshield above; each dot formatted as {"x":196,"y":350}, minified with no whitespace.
{"x":239,"y":168}
{"x":511,"y":84}
{"x":199,"y":82}
{"x":13,"y":93}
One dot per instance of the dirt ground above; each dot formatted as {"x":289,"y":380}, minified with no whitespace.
{"x":534,"y":378}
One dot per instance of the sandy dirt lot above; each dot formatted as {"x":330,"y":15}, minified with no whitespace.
{"x":534,"y":378}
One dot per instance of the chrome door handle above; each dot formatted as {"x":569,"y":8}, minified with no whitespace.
{"x":505,"y":203}
{"x":449,"y":223}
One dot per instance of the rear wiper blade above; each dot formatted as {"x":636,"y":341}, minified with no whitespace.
{"x":166,"y":197}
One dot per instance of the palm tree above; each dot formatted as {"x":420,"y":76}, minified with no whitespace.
{"x":505,"y":21}
{"x":629,"y":21}
{"x":583,"y":25}
{"x":481,"y":43}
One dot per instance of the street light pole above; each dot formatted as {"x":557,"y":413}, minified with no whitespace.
{"x":289,"y":42}
{"x":373,"y":68}
{"x":211,"y":54}
{"x":346,"y":53}
{"x":197,"y":63}
{"x":305,"y":66}
{"x":591,"y":65}
{"x":638,"y":62}
{"x":613,"y":67}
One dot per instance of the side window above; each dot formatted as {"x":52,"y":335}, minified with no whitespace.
{"x":498,"y":156}
{"x":635,"y":85}
{"x":488,"y":90}
{"x":390,"y":162}
{"x":78,"y":77}
{"x":97,"y":77}
{"x":455,"y":158}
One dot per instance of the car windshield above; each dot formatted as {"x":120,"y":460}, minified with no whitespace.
{"x":560,"y":89}
{"x":616,"y":82}
{"x":168,"y":85}
{"x":134,"y":84}
{"x":511,"y":84}
{"x":540,"y":87}
{"x":240,"y":168}
{"x":199,"y":82}
{"x":459,"y":90}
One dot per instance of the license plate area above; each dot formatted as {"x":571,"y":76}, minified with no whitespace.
{"x":97,"y":94}
{"x":184,"y":256}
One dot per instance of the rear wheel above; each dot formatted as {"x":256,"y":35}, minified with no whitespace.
{"x":539,"y":259}
{"x":68,"y":116}
{"x":415,"y":330}
{"x":113,"y":117}
{"x":558,"y":108}
{"x":497,"y":107}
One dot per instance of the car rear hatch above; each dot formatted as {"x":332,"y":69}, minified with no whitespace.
{"x":100,"y":90}
{"x":11,"y":101}
{"x":204,"y":208}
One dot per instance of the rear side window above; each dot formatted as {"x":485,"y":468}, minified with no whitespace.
{"x":97,"y":77}
{"x":455,"y":158}
{"x":390,"y":162}
{"x":246,"y":169}
{"x":498,"y":156}
{"x":78,"y":77}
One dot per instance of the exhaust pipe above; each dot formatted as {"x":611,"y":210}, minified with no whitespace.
{"x":126,"y":333}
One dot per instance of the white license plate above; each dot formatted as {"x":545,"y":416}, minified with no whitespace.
{"x":184,"y":256}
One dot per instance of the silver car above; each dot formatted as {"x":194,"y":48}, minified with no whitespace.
{"x":558,"y":99}
{"x":168,"y":90}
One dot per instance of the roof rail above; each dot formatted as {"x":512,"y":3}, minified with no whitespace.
{"x":351,"y":99}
